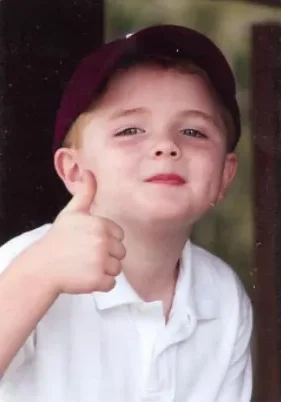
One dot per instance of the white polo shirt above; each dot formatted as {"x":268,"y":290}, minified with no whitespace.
{"x":113,"y":347}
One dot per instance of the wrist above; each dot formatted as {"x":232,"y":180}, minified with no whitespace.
{"x":32,"y":267}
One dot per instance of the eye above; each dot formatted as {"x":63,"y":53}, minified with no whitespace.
{"x":191,"y":132}
{"x":129,"y":131}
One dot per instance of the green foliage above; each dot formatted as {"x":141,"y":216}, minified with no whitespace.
{"x":228,"y":230}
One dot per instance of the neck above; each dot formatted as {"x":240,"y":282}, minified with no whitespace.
{"x":151,"y":261}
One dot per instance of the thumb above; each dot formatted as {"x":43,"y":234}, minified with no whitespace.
{"x":84,"y":195}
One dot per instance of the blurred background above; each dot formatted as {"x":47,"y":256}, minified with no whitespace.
{"x":235,"y":229}
{"x":41,"y":42}
{"x":228,"y":230}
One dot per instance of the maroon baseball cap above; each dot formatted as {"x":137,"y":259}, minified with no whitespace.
{"x":162,"y":40}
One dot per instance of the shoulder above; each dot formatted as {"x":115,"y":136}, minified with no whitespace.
{"x":206,"y":263}
{"x":217,"y":275}
{"x":11,"y":249}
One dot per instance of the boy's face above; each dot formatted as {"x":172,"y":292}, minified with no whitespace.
{"x":152,"y":121}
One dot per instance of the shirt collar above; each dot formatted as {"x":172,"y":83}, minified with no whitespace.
{"x":121,"y":294}
{"x":195,"y":293}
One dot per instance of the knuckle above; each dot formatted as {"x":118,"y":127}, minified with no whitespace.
{"x":98,"y":261}
{"x":117,"y":267}
{"x":101,"y":245}
{"x":109,"y":285}
{"x":92,"y":283}
{"x":120,"y":232}
{"x":97,"y":278}
{"x":124,"y":252}
{"x":120,"y":251}
{"x":98,"y":227}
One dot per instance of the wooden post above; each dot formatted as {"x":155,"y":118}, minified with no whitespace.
{"x":41,"y":42}
{"x":266,"y":127}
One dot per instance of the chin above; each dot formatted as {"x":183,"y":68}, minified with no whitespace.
{"x":159,"y":209}
{"x":163,"y":214}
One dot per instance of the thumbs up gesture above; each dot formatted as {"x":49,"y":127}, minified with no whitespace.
{"x":83,"y":251}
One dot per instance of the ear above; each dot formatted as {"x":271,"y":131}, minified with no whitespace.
{"x":67,"y":165}
{"x":229,"y":172}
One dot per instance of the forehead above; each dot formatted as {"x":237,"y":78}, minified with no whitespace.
{"x":144,"y":73}
{"x":146,"y":85}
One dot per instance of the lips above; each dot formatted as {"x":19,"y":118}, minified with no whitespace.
{"x":167,"y":178}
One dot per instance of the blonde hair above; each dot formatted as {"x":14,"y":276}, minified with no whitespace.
{"x":73,"y":136}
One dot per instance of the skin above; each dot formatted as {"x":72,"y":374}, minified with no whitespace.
{"x":159,"y":111}
{"x":149,"y":121}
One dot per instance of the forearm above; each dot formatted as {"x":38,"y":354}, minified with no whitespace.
{"x":25,"y":296}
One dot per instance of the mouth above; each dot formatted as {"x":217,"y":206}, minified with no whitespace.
{"x":171,"y":179}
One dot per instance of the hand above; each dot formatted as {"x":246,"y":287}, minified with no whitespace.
{"x":83,"y":252}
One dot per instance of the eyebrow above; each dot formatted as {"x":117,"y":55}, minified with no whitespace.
{"x":127,"y":112}
{"x":199,"y":113}
{"x":184,"y":113}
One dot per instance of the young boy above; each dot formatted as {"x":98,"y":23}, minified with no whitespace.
{"x":112,"y":302}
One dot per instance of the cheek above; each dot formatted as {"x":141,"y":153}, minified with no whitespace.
{"x":123,"y":160}
{"x":207,"y":168}
{"x":116,"y":170}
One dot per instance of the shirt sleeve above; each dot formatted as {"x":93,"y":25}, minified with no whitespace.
{"x":8,"y":252}
{"x":237,"y":384}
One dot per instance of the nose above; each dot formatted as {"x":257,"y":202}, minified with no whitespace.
{"x":166,"y":149}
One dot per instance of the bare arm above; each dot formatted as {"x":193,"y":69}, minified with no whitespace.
{"x":81,"y":253}
{"x":25,"y":296}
